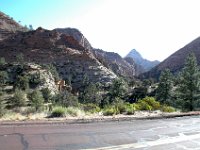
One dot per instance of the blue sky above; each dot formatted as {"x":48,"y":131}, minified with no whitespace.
{"x":156,"y":28}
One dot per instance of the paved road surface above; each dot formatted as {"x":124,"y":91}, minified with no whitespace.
{"x":163,"y":134}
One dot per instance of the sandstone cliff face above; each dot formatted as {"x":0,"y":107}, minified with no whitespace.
{"x":176,"y":61}
{"x":77,"y":35}
{"x":8,"y":26}
{"x":70,"y":58}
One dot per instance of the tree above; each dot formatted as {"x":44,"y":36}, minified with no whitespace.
{"x":91,"y":94}
{"x":163,"y":92}
{"x":2,"y":107}
{"x":2,"y":61}
{"x":117,"y":90}
{"x":31,"y":27}
{"x":36,"y":99}
{"x":66,"y":99}
{"x":20,"y":58}
{"x":46,"y":94}
{"x":19,"y":99}
{"x":22,"y":83}
{"x":189,"y":85}
{"x":3,"y":77}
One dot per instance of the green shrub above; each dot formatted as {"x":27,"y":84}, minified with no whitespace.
{"x":36,"y":99}
{"x":120,"y":108}
{"x":73,"y":111}
{"x":130,"y":109}
{"x":58,"y":112}
{"x":166,"y":108}
{"x":148,"y":103}
{"x":142,"y":105}
{"x":19,"y":99}
{"x":109,"y":111}
{"x":91,"y":108}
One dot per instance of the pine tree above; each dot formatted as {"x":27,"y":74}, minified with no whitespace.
{"x":36,"y":99}
{"x":91,"y":94}
{"x":163,"y":92}
{"x":189,"y":85}
{"x":117,"y":90}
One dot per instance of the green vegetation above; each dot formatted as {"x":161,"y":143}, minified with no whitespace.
{"x":36,"y":99}
{"x":164,"y":90}
{"x":170,"y":93}
{"x":188,"y":89}
{"x":58,"y":111}
{"x":19,"y":99}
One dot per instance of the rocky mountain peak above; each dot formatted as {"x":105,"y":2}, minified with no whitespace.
{"x":142,"y":63}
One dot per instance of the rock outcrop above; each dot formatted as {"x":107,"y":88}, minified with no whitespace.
{"x":8,"y":26}
{"x":71,"y":59}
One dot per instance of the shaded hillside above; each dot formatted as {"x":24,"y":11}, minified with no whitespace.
{"x":110,"y":60}
{"x":176,"y":61}
{"x":71,"y":59}
{"x":8,"y":26}
{"x":138,"y":68}
{"x":143,"y":64}
{"x":115,"y":62}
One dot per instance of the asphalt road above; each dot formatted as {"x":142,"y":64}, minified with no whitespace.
{"x":162,"y":134}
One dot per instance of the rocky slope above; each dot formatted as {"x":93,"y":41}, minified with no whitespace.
{"x":143,"y":64}
{"x":110,"y":60}
{"x":176,"y":61}
{"x":8,"y":26}
{"x":77,"y":35}
{"x":116,"y":63}
{"x":30,"y":69}
{"x":71,"y":59}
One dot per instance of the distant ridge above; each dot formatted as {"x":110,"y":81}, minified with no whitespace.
{"x":144,"y":64}
{"x":175,"y":62}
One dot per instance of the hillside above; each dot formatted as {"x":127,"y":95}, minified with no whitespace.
{"x":144,"y":64}
{"x":110,"y":60}
{"x":115,"y":62}
{"x":72,"y":60}
{"x":175,"y":62}
{"x":8,"y":26}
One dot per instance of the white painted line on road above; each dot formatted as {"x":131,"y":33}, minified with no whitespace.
{"x":167,"y":140}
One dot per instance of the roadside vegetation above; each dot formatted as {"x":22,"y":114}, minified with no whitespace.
{"x":169,"y":94}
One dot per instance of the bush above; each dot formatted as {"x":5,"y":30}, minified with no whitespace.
{"x":142,"y":105}
{"x":73,"y":111}
{"x":166,"y":108}
{"x":120,"y":108}
{"x":130,"y":109}
{"x":148,"y":103}
{"x":91,"y":108}
{"x":110,"y":111}
{"x":58,"y":112}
